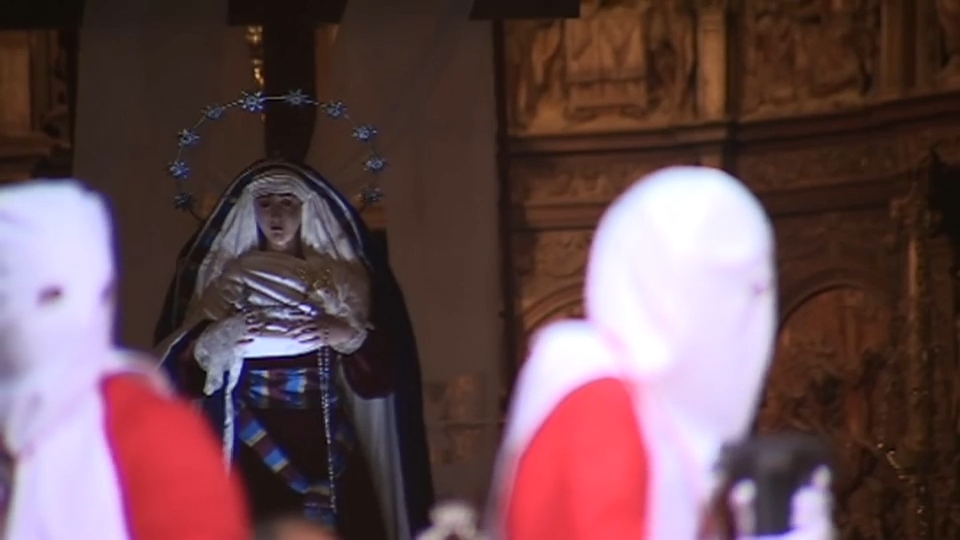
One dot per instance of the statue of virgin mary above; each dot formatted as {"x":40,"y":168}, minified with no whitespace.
{"x":286,"y":323}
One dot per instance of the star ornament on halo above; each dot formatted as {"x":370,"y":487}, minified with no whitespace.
{"x":187,"y":137}
{"x":213,"y":112}
{"x":183,"y":201}
{"x":179,"y":170}
{"x":364,"y":133}
{"x":375,"y":164}
{"x":371,"y":195}
{"x":252,"y":102}
{"x":335,"y":109}
{"x":296,"y":98}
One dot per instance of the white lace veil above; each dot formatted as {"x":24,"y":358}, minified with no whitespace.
{"x":319,"y":229}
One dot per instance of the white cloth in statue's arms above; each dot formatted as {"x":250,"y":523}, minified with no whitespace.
{"x":275,"y":346}
{"x":262,"y":279}
{"x":217,"y":351}
{"x":221,"y":356}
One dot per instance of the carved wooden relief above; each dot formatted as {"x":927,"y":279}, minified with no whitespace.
{"x":811,"y":166}
{"x":15,"y":100}
{"x":805,"y":56}
{"x":865,"y":158}
{"x":550,"y":263}
{"x":943,"y":42}
{"x":866,"y":354}
{"x":623,"y":64}
{"x":550,"y":266}
{"x":946,"y":423}
{"x":33,"y":86}
{"x":836,"y":368}
{"x":834,"y":374}
{"x":544,"y":182}
{"x":837,"y":248}
{"x":34,"y":113}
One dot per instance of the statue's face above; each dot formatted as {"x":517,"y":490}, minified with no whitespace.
{"x":278,"y":216}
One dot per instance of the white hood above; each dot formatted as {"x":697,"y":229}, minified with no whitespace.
{"x":682,"y":278}
{"x":56,"y":305}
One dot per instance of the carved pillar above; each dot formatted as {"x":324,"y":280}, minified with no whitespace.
{"x":914,"y":449}
{"x":897,"y":48}
{"x":34,"y":108}
{"x":926,"y":43}
{"x":15,"y":98}
{"x":712,"y":59}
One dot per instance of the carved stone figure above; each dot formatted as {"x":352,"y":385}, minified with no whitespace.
{"x":622,"y":64}
{"x":808,"y":55}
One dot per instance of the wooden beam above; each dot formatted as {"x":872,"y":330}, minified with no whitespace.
{"x":487,"y":10}
{"x":256,"y":12}
{"x":261,"y":12}
{"x":37,"y":14}
{"x":40,"y":14}
{"x":289,"y":61}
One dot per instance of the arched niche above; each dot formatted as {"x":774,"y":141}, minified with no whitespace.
{"x":564,"y":303}
{"x":833,"y":374}
{"x":796,"y":293}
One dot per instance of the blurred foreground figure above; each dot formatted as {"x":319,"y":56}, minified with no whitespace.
{"x":98,"y":452}
{"x":293,"y":528}
{"x":452,"y":521}
{"x":618,"y":420}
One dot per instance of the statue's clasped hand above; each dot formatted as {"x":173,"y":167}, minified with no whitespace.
{"x":303,"y":326}
{"x":322,"y":330}
{"x":272,"y":321}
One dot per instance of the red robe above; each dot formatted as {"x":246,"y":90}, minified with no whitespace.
{"x":584,"y":475}
{"x":170,"y":467}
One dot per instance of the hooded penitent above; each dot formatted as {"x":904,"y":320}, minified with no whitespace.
{"x":680,"y":305}
{"x":85,"y":426}
{"x":56,"y":316}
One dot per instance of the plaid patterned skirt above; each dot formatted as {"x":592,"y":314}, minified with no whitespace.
{"x":297,"y":387}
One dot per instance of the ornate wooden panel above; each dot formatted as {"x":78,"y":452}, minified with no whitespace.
{"x":802,"y":57}
{"x":835,"y":373}
{"x":550,"y":265}
{"x":829,"y":249}
{"x":836,"y":368}
{"x":582,"y":180}
{"x":827,"y":110}
{"x":623,"y":64}
{"x":34,"y":115}
{"x":939,"y":42}
{"x":557,"y":202}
